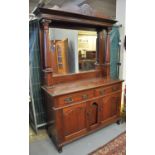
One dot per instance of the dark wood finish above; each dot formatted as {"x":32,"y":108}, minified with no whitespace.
{"x":107,"y":58}
{"x":75,"y":97}
{"x":110,"y":106}
{"x":61,"y":55}
{"x":74,"y":121}
{"x":79,"y":110}
{"x":93,"y":114}
{"x":107,"y":90}
{"x":41,"y":42}
{"x":60,"y":17}
{"x":78,"y":104}
{"x":100,"y":53}
{"x":47,"y":53}
{"x":46,"y":56}
{"x":47,"y":76}
{"x":74,"y":77}
{"x":83,"y":85}
{"x":53,"y":55}
{"x":101,"y":47}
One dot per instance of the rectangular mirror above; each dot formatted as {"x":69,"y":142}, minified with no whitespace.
{"x":86,"y":50}
{"x":72,"y":51}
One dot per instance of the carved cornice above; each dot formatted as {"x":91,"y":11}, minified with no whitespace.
{"x":86,"y":16}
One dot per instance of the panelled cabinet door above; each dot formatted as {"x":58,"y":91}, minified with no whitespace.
{"x":105,"y":108}
{"x":110,"y":106}
{"x":61,"y":52}
{"x":74,"y":120}
{"x":92,"y":114}
{"x":115,"y":104}
{"x":53,"y":56}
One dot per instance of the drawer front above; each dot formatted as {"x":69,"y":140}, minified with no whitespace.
{"x":75,"y":97}
{"x":106,"y":90}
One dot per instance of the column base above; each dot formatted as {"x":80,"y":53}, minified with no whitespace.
{"x":47,"y":76}
{"x":106,"y":70}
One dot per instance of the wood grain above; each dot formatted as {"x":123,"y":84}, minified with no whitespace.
{"x":77,"y":104}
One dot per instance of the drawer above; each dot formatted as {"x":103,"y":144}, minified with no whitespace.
{"x":107,"y":90}
{"x":75,"y":97}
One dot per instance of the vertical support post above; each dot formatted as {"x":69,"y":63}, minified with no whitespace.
{"x":107,"y":55}
{"x":100,"y":51}
{"x":46,"y":46}
{"x":47,"y":59}
{"x":101,"y":47}
{"x":41,"y":43}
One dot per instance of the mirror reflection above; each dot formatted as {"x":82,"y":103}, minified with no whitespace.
{"x":72,"y":51}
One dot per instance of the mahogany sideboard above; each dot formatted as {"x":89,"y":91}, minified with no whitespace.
{"x":80,"y":103}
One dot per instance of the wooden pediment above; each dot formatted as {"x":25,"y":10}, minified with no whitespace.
{"x":83,"y":16}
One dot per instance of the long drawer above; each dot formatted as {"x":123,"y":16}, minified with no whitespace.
{"x":75,"y":97}
{"x":86,"y":95}
{"x":106,"y":90}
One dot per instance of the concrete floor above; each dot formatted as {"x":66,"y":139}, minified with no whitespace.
{"x":42,"y":145}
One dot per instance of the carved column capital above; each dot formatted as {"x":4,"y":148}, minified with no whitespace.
{"x":107,"y":54}
{"x":45,"y":23}
{"x":47,"y":72}
{"x":100,"y":51}
{"x":108,"y":30}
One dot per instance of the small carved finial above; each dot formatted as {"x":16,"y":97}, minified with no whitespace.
{"x":86,"y":10}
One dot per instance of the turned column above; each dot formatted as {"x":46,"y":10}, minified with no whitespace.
{"x":107,"y":56}
{"x":47,"y":59}
{"x":100,"y":51}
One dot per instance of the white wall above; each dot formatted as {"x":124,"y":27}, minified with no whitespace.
{"x":121,"y":18}
{"x":89,"y":45}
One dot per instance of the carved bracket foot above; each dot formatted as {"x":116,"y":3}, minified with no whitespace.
{"x":118,"y":122}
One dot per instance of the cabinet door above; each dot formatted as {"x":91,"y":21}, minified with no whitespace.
{"x":92,"y":114}
{"x":110,"y":106}
{"x":74,"y":120}
{"x":61,"y":52}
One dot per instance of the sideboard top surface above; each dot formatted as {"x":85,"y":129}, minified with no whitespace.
{"x":80,"y":85}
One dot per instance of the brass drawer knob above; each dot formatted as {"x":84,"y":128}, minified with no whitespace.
{"x":85,"y":96}
{"x":68,"y":100}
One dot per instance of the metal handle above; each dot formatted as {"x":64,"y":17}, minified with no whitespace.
{"x":85,"y":96}
{"x":68,"y":99}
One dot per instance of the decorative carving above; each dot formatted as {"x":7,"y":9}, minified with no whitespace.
{"x":68,"y":100}
{"x":94,"y":114}
{"x":107,"y":55}
{"x":85,"y":96}
{"x":47,"y":54}
{"x":79,"y":118}
{"x":107,"y":60}
{"x":100,"y":52}
{"x":46,"y":22}
{"x":84,"y":9}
